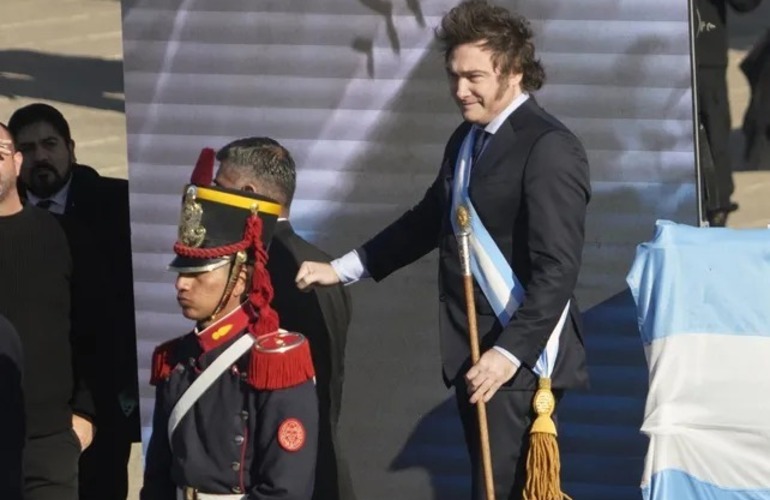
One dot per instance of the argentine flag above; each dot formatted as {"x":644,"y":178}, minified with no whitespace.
{"x":703,"y":303}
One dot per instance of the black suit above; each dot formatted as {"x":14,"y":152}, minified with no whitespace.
{"x":530,"y":187}
{"x":323,"y":316}
{"x":96,"y":220}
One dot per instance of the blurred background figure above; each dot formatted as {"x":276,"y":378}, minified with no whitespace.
{"x":93,"y":211}
{"x":710,"y":26}
{"x":756,"y":122}
{"x":12,"y":428}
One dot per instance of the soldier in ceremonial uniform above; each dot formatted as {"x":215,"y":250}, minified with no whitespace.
{"x":236,"y":412}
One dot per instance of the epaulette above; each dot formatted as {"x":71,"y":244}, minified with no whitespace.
{"x":280,"y":360}
{"x":161,"y":361}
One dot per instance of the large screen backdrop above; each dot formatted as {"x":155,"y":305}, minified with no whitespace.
{"x":356,"y":90}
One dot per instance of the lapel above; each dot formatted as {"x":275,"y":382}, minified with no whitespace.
{"x":79,"y":191}
{"x":72,"y":195}
{"x":503,"y":143}
{"x":85,"y":193}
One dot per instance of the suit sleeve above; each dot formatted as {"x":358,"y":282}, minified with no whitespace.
{"x":556,"y":193}
{"x":286,"y":444}
{"x":157,"y":470}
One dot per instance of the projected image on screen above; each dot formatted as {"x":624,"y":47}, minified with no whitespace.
{"x":357,"y":91}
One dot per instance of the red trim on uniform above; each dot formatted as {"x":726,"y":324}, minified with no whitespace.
{"x":261,"y":292}
{"x":280,"y":370}
{"x":225,"y":328}
{"x":291,"y":434}
{"x":161,"y":362}
{"x":279,"y":340}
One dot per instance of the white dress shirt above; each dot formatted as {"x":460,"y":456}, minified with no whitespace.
{"x":58,"y":200}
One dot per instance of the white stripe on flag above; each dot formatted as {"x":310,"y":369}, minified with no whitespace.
{"x":708,"y":413}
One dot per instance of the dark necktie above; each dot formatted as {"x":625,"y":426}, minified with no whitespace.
{"x":480,"y":137}
{"x":44,"y":204}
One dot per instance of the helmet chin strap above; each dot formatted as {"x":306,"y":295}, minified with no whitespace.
{"x":235,"y":271}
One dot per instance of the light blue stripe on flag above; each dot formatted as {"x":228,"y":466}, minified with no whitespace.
{"x":673,"y":267}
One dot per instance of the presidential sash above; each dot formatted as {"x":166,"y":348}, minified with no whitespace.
{"x":491,"y":270}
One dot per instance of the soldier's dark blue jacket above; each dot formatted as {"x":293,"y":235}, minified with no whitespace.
{"x":252,"y":433}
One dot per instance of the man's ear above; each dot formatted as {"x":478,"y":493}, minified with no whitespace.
{"x":515,"y":79}
{"x":249,"y":187}
{"x":71,"y":147}
{"x":18,"y":159}
{"x":242,"y":285}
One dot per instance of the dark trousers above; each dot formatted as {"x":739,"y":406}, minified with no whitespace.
{"x":104,"y":465}
{"x":714,"y":110}
{"x":509,"y":417}
{"x":51,"y":467}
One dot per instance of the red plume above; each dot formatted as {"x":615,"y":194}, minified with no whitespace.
{"x":203,"y":174}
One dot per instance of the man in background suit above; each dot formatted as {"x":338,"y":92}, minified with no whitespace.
{"x":529,"y":186}
{"x":94,"y":212}
{"x":262,"y":166}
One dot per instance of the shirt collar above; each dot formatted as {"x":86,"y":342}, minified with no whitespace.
{"x":58,"y":200}
{"x":493,"y":126}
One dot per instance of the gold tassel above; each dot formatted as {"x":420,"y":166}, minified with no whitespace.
{"x":543,"y":461}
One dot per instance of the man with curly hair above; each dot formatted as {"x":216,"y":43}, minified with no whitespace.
{"x":524,"y":178}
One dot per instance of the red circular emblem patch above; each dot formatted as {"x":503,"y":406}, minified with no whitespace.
{"x":291,"y":434}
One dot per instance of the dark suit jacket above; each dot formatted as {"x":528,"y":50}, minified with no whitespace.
{"x":323,"y":316}
{"x":530,"y":187}
{"x":97,"y":222}
{"x":102,"y":204}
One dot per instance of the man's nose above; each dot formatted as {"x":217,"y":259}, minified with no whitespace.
{"x":461,"y":88}
{"x":182,"y":283}
{"x":39,"y":154}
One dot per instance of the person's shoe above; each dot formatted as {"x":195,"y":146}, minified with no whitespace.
{"x":718,"y":217}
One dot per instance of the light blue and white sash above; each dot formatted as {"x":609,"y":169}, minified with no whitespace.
{"x":491,"y":270}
